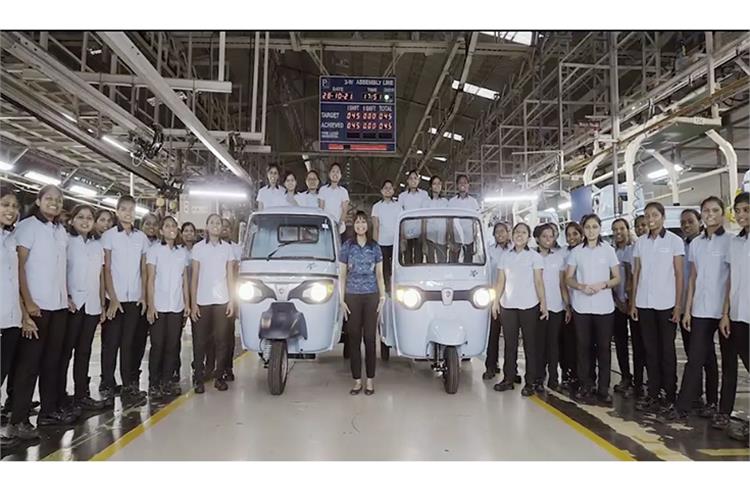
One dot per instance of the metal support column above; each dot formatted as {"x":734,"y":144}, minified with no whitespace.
{"x":614,"y":111}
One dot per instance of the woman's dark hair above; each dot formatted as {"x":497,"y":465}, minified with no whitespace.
{"x":742,"y":198}
{"x":433,"y":179}
{"x":362,"y":215}
{"x":692,"y":211}
{"x":463,"y":176}
{"x":576,"y":227}
{"x":186,"y":224}
{"x":6,"y":190}
{"x":539,"y":229}
{"x":101,"y":212}
{"x":658,"y":206}
{"x":80,"y":207}
{"x":268,"y":169}
{"x":623,"y":221}
{"x":413,"y":171}
{"x":638,"y":218}
{"x":178,"y":239}
{"x":715,"y":200}
{"x":528,"y":230}
{"x":208,"y":218}
{"x":286,"y":175}
{"x":43,"y":192}
{"x":317,"y":176}
{"x":596,"y":218}
{"x":386,"y":181}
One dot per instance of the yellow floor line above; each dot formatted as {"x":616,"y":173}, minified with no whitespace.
{"x":735,"y":452}
{"x":120,"y":443}
{"x":598,"y":440}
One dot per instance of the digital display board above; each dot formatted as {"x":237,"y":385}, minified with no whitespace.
{"x":358,"y":114}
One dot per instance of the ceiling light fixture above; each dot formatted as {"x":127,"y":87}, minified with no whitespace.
{"x":511,"y":198}
{"x":476,"y":90}
{"x":447,"y":134}
{"x":41,"y":178}
{"x":663,"y":172}
{"x":82,"y":190}
{"x":565,"y":205}
{"x":219,"y":194}
{"x":5,"y":166}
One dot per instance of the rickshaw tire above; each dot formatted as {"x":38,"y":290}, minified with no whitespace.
{"x":450,"y":375}
{"x":385,"y":352}
{"x":277,"y":367}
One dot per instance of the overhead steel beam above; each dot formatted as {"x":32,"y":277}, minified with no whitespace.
{"x":507,"y":49}
{"x":197,"y":146}
{"x":17,"y":94}
{"x":109,"y":79}
{"x":27,"y":51}
{"x":132,"y":56}
{"x":221,"y":135}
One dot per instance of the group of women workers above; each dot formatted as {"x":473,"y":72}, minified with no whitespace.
{"x":570,"y":303}
{"x":61,"y":281}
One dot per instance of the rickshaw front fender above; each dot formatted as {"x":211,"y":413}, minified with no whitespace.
{"x":446,"y":332}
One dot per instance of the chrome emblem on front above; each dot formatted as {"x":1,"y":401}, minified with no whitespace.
{"x":447,"y":296}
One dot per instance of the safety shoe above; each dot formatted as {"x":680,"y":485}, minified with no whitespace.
{"x":528,"y":390}
{"x":604,"y":399}
{"x":88,"y":403}
{"x":198,"y":386}
{"x":720,"y":421}
{"x":220,"y":384}
{"x":539,"y":387}
{"x":584,"y":396}
{"x":708,"y":411}
{"x":488,"y":375}
{"x":173,"y":388}
{"x":517,"y":379}
{"x":4,"y":416}
{"x":229,"y":375}
{"x":8,"y":444}
{"x":673,"y":415}
{"x":553,"y":384}
{"x":57,"y":417}
{"x":504,"y":385}
{"x":739,"y":431}
{"x":23,"y":430}
{"x":623,"y":386}
{"x":647,"y":404}
{"x":155,"y":393}
{"x":106,"y":391}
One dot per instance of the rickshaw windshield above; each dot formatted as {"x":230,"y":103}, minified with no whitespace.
{"x":289,"y":237}
{"x":441,"y":240}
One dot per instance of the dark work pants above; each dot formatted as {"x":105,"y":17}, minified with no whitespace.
{"x":622,"y":348}
{"x":227,"y":367}
{"x":9,"y":338}
{"x":387,"y":264}
{"x":710,"y":370}
{"x":118,"y":334}
{"x":79,"y":335}
{"x":211,"y":325}
{"x":598,"y":327}
{"x":526,"y":321}
{"x":139,"y":346}
{"x":737,"y":345}
{"x":568,"y":357}
{"x":549,"y":346}
{"x":436,"y":253}
{"x":413,"y":252}
{"x":165,"y":347}
{"x":361,"y":326}
{"x":701,"y":354}
{"x":658,"y":334}
{"x":39,"y":358}
{"x":639,"y":353}
{"x":467,"y":249}
{"x":493,"y":346}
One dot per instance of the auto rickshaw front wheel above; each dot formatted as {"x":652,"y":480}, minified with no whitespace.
{"x":450,"y":373}
{"x":277,"y":367}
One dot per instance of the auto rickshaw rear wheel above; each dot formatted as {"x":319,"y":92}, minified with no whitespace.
{"x":450,"y":374}
{"x":385,"y":351}
{"x":277,"y":367}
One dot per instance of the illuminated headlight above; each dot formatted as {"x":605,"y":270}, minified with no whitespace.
{"x":411,"y":298}
{"x":482,"y":297}
{"x":318,"y":292}
{"x":248,"y":291}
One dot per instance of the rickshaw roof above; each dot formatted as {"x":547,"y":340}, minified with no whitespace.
{"x":294,"y":210}
{"x":449,"y":212}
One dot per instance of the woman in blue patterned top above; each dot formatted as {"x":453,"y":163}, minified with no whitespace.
{"x":363,"y":295}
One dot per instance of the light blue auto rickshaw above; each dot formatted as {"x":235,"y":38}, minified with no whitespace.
{"x":440,"y":304}
{"x":288,"y":287}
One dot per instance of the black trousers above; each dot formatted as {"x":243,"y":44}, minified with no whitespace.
{"x":493,"y":346}
{"x":165,"y":348}
{"x":139,"y":346}
{"x":701,"y":354}
{"x":413,"y":252}
{"x":9,"y":338}
{"x":212,"y":325}
{"x":79,"y":335}
{"x":387,"y":264}
{"x":39,"y":358}
{"x":710,"y":370}
{"x":361,"y":326}
{"x":467,"y":249}
{"x":622,"y":348}
{"x":639,"y":353}
{"x":549,"y":346}
{"x":658,"y":334}
{"x":737,"y":345}
{"x":227,"y":367}
{"x":436,"y":253}
{"x":526,"y":321}
{"x":598,"y":327}
{"x":118,"y":335}
{"x":568,"y":357}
